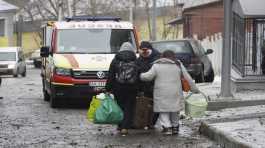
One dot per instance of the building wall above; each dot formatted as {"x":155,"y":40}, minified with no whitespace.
{"x":30,"y":42}
{"x":8,"y":38}
{"x":204,"y":20}
{"x":173,"y":31}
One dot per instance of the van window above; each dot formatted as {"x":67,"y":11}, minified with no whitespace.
{"x":176,"y":46}
{"x":93,"y":40}
{"x":7,"y":56}
{"x":2,"y":27}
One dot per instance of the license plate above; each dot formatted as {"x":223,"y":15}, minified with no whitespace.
{"x":97,"y":84}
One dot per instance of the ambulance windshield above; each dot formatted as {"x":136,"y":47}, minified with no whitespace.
{"x":93,"y":40}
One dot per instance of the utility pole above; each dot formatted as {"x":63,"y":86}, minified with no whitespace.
{"x":134,"y":9}
{"x":131,"y":15}
{"x":60,"y":12}
{"x":69,"y":6}
{"x":226,"y":55}
{"x":19,"y":30}
{"x":153,"y":32}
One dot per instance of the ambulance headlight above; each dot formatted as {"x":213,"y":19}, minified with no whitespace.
{"x":11,"y":66}
{"x":63,"y":71}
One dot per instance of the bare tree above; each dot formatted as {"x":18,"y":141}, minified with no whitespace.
{"x":147,"y":4}
{"x":168,"y":13}
{"x":36,"y":10}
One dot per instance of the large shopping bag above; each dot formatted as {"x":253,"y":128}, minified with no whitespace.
{"x":95,"y":103}
{"x":196,"y":105}
{"x":143,"y":113}
{"x":108,"y":112}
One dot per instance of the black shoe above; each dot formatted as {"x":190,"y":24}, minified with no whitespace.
{"x":167,"y":131}
{"x":1,"y":97}
{"x":175,"y":130}
{"x":124,"y":132}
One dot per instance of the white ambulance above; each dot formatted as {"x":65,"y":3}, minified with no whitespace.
{"x":76,"y":55}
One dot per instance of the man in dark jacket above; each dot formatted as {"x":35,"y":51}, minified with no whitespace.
{"x":147,"y":56}
{"x":0,"y":85}
{"x":263,"y":58}
{"x":125,"y":94}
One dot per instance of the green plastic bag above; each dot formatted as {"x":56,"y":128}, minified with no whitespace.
{"x":108,"y":112}
{"x":196,"y":105}
{"x":95,"y":103}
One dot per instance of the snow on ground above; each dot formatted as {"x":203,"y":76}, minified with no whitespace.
{"x":213,"y":90}
{"x":250,"y":132}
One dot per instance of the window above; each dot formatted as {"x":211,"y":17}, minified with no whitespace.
{"x":176,"y":46}
{"x":7,"y":56}
{"x":2,"y":27}
{"x":93,"y":40}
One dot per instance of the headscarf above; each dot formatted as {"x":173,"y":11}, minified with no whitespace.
{"x":169,"y":54}
{"x":127,"y":46}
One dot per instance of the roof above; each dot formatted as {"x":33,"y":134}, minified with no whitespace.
{"x":196,"y":3}
{"x":6,"y":7}
{"x":174,"y":40}
{"x":18,"y":3}
{"x":93,"y":25}
{"x":249,"y":8}
{"x":178,"y":20}
{"x":10,"y":49}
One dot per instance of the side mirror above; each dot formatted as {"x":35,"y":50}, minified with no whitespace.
{"x":44,"y":51}
{"x":209,"y":51}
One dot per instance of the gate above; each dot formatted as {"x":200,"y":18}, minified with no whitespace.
{"x":248,"y":42}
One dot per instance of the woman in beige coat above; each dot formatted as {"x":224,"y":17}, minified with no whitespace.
{"x":168,"y":94}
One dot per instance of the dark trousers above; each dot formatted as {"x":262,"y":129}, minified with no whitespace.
{"x":126,"y":100}
{"x":263,"y":65}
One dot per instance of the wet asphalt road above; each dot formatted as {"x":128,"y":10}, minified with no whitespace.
{"x":26,"y":120}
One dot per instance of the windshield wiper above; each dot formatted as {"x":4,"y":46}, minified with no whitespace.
{"x":103,"y":52}
{"x":86,"y":52}
{"x":72,"y":52}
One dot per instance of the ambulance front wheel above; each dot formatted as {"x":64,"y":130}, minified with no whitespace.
{"x":54,"y":102}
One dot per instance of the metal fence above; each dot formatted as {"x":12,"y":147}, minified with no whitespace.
{"x":248,"y":38}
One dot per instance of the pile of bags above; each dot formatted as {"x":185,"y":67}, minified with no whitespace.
{"x":104,"y":109}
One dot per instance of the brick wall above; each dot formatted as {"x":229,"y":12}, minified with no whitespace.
{"x":204,"y":20}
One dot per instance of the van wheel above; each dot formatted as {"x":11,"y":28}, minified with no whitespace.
{"x":46,"y":96}
{"x":54,"y":102}
{"x":200,"y":78}
{"x":15,"y":73}
{"x":24,"y":73}
{"x":210,"y":76}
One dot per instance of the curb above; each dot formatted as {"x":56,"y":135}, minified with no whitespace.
{"x":224,"y":139}
{"x":220,"y":137}
{"x":222,"y":104}
{"x":235,"y":118}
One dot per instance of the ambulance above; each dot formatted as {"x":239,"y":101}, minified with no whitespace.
{"x":76,"y":55}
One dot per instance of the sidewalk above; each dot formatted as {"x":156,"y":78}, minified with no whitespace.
{"x":240,"y":127}
{"x":242,"y":98}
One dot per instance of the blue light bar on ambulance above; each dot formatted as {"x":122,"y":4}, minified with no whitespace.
{"x":92,"y":18}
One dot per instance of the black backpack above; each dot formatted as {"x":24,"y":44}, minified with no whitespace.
{"x":127,"y":72}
